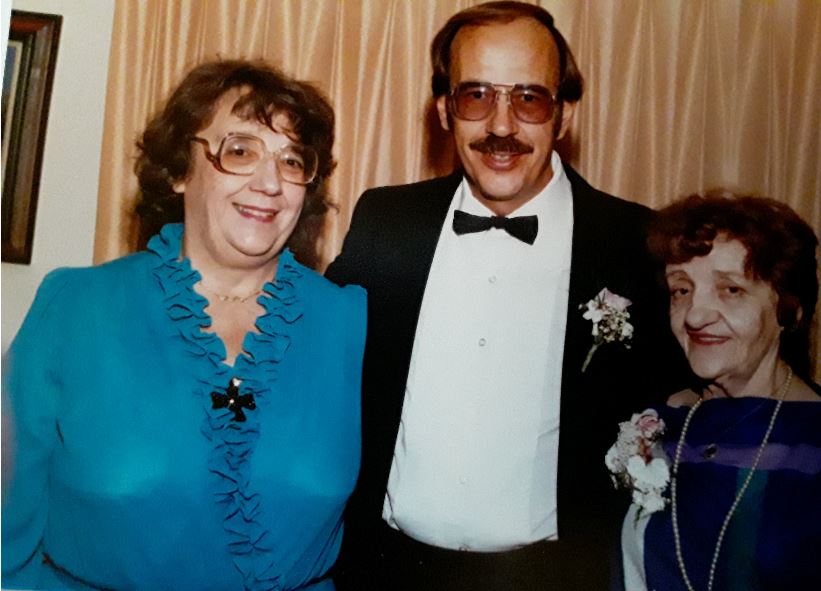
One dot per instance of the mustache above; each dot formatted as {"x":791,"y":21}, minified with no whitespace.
{"x":494,"y":143}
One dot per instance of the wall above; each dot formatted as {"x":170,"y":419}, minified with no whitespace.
{"x":67,"y":202}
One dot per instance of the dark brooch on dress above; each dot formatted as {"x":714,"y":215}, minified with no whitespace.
{"x":233,"y":400}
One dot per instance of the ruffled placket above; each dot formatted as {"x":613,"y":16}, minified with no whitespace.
{"x":233,"y":441}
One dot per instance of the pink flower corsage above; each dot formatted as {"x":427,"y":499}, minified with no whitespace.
{"x":638,"y":462}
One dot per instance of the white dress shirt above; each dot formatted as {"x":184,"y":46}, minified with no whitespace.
{"x":476,"y":455}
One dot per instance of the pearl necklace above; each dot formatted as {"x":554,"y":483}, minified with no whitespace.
{"x":676,"y":535}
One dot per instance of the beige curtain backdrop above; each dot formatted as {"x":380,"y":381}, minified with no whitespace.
{"x":681,"y":95}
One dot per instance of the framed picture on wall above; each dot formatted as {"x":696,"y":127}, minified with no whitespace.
{"x":28,"y":73}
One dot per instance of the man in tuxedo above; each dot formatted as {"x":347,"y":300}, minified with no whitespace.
{"x":483,"y":438}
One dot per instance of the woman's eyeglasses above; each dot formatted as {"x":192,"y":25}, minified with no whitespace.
{"x":473,"y":101}
{"x":243,"y":154}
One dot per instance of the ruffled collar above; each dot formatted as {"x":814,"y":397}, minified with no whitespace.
{"x":187,"y":307}
{"x":233,"y":442}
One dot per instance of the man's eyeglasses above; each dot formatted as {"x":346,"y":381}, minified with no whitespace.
{"x":243,"y":154}
{"x":474,"y":101}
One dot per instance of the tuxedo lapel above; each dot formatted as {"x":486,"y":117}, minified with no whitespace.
{"x":585,"y":277}
{"x":589,"y":270}
{"x":424,"y":224}
{"x":408,"y":255}
{"x":607,"y":252}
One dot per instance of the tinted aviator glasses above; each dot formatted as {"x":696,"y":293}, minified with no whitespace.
{"x":243,"y":154}
{"x":474,"y":101}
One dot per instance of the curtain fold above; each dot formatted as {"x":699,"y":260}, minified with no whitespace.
{"x":681,"y":95}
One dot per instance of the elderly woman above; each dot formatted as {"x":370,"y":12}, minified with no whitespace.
{"x":741,"y":479}
{"x":188,"y":417}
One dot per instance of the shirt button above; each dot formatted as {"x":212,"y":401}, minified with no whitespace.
{"x":492,"y":278}
{"x":482,"y":342}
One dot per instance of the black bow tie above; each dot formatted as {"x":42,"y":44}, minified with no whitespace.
{"x":523,"y":227}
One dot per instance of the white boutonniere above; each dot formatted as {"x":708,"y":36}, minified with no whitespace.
{"x":610,"y":318}
{"x":638,"y":462}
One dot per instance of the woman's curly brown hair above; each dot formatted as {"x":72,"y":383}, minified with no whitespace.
{"x":781,"y":250}
{"x":165,"y":151}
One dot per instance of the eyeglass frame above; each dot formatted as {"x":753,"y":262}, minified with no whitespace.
{"x":505,"y":89}
{"x":215,"y":161}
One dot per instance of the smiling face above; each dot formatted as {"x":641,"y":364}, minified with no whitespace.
{"x":238,"y":221}
{"x":505,"y":174}
{"x":724,"y":320}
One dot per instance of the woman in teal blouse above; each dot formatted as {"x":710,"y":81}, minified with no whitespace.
{"x":187,"y":417}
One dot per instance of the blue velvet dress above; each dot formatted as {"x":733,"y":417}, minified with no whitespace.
{"x":126,"y":477}
{"x":773,"y":541}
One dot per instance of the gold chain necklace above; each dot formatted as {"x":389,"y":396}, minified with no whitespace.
{"x":230,"y":298}
{"x":676,"y":535}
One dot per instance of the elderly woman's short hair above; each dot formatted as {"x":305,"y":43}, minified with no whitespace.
{"x":781,"y":250}
{"x":165,"y":150}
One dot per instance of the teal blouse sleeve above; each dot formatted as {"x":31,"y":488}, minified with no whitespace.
{"x":31,"y":395}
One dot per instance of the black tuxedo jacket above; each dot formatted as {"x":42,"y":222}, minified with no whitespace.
{"x":389,"y":250}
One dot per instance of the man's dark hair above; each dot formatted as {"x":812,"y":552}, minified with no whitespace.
{"x":570,"y":79}
{"x":780,"y":251}
{"x":165,"y":146}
